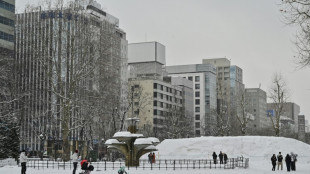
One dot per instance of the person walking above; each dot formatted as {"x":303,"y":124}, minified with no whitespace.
{"x":273,"y":162}
{"x":153,"y":157}
{"x":221,"y":157}
{"x":214,"y":157}
{"x":74,"y":158}
{"x":23,"y":161}
{"x":280,"y":158}
{"x":288,"y":162}
{"x":225,"y":158}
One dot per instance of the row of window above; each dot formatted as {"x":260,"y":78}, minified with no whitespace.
{"x":197,"y":78}
{"x":167,"y":89}
{"x":6,"y":36}
{"x":7,"y":6}
{"x":162,"y":113}
{"x":6,"y":21}
{"x":161,"y":104}
{"x":168,"y":98}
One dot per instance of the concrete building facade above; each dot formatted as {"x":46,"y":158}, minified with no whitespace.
{"x":64,"y":59}
{"x":203,"y":77}
{"x":301,"y":128}
{"x":257,"y":103}
{"x":290,"y":113}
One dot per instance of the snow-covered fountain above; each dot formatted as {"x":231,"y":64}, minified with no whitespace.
{"x":132,"y":145}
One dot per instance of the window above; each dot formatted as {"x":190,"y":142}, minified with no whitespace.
{"x":181,"y":101}
{"x":6,"y":21}
{"x":155,"y":94}
{"x":197,"y":125}
{"x":197,"y":132}
{"x":197,"y":109}
{"x":136,"y":86}
{"x":197,"y":102}
{"x":155,"y":112}
{"x":6,"y":36}
{"x":197,"y":117}
{"x":137,"y":112}
{"x":197,"y":78}
{"x":161,"y":87}
{"x":155,"y":120}
{"x":197,"y":94}
{"x":155,"y":103}
{"x":190,"y":78}
{"x":7,"y":6}
{"x":161,"y":96}
{"x":161,"y":104}
{"x":136,"y":103}
{"x":155,"y":85}
{"x":197,"y":86}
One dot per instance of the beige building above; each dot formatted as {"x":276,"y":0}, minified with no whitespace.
{"x":151,"y":102}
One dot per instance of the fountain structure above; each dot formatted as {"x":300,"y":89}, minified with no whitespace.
{"x":132,"y":145}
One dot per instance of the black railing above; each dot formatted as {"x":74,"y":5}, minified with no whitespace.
{"x":160,"y":164}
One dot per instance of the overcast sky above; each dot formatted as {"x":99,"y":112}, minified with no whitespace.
{"x":248,"y":32}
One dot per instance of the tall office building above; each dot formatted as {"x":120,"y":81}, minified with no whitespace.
{"x":203,"y":77}
{"x":7,"y":24}
{"x":70,"y":64}
{"x":229,"y":86}
{"x":256,"y":99}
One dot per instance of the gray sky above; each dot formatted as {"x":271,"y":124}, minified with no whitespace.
{"x":249,"y":32}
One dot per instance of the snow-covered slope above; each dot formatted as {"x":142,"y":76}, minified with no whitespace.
{"x":247,"y":146}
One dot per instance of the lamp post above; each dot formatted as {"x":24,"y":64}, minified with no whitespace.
{"x":42,"y":138}
{"x":102,"y":140}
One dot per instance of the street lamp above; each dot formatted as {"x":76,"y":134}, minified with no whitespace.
{"x":42,"y":138}
{"x":102,"y":140}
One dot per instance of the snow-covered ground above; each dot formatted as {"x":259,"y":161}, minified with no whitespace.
{"x":257,"y":149}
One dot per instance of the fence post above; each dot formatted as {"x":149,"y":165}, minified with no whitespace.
{"x":173,"y":164}
{"x":166,"y":164}
{"x":64,"y":165}
{"x":210,"y":164}
{"x":151,"y":165}
{"x":233,"y":163}
{"x":105,"y":165}
{"x":198,"y":164}
{"x":47,"y":163}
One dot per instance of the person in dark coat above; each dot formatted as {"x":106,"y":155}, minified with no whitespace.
{"x":221,"y":157}
{"x":274,"y":162}
{"x":150,"y":157}
{"x":225,"y":158}
{"x":214,"y":157}
{"x":288,"y":162}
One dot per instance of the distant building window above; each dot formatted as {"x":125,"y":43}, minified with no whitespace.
{"x":155,"y":94}
{"x":136,"y":86}
{"x":190,"y":78}
{"x":155,"y":112}
{"x":197,"y":94}
{"x":7,"y":6}
{"x":197,"y":117}
{"x":6,"y":36}
{"x":136,"y":103}
{"x":155,"y":103}
{"x":197,"y":78}
{"x":197,"y":86}
{"x":197,"y":102}
{"x":197,"y":132}
{"x":197,"y":125}
{"x":197,"y":109}
{"x":6,"y":21}
{"x":155,"y":85}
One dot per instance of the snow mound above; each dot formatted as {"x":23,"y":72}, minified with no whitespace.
{"x":246,"y":146}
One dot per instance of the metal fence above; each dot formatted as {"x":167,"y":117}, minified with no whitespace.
{"x":160,"y":164}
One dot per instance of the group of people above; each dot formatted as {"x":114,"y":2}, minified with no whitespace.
{"x":85,"y":165}
{"x":222,"y":156}
{"x":151,"y":157}
{"x":290,"y":161}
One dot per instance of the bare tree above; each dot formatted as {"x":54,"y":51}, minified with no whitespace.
{"x":297,"y":13}
{"x":278,"y":94}
{"x":242,"y":115}
{"x":222,"y":112}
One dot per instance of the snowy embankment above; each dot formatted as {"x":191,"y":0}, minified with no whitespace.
{"x":248,"y":146}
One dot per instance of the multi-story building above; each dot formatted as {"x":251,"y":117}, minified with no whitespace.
{"x":70,"y":63}
{"x":256,"y":100}
{"x":301,"y":128}
{"x":307,"y":126}
{"x":159,"y":96}
{"x":229,"y":86}
{"x":7,"y":24}
{"x":203,"y":77}
{"x":289,"y":115}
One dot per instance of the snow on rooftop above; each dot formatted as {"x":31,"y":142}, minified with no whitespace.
{"x":112,"y":141}
{"x":143,"y":141}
